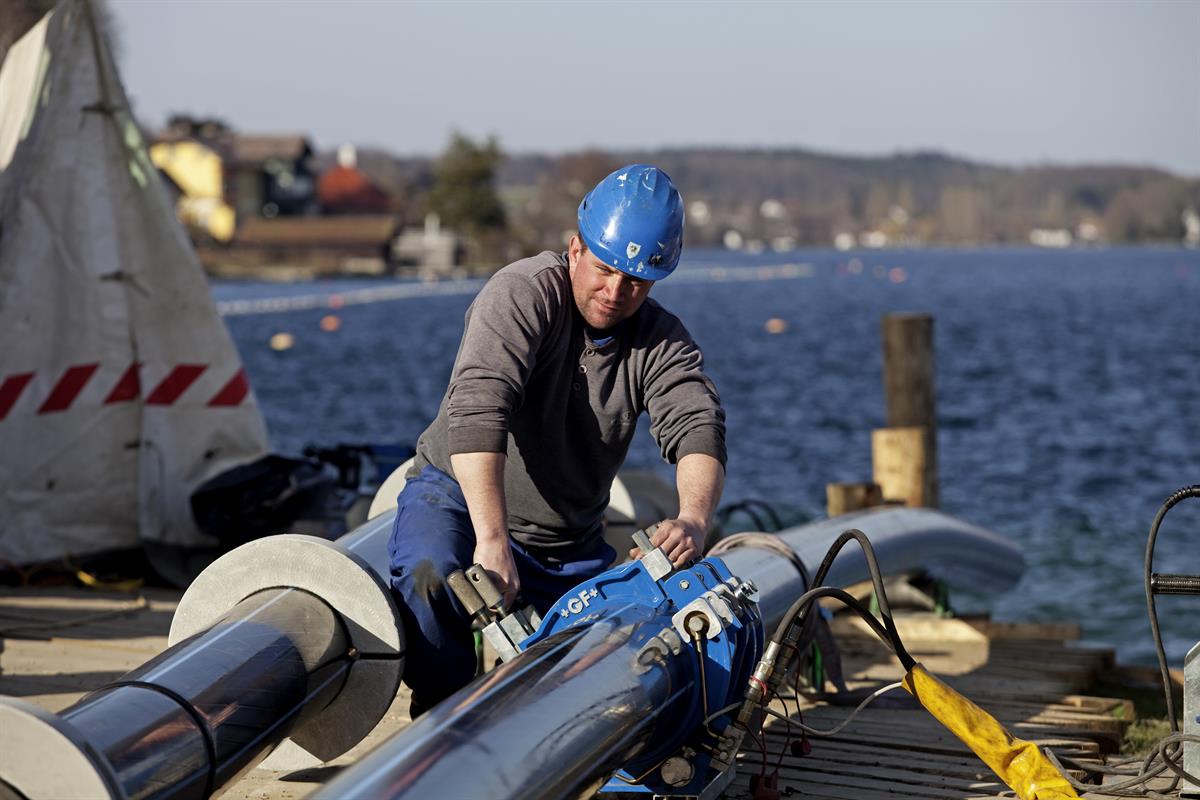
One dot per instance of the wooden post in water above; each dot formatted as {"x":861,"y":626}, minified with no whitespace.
{"x":904,"y":454}
{"x":841,"y":498}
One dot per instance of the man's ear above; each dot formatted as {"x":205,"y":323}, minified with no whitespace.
{"x":574,"y":250}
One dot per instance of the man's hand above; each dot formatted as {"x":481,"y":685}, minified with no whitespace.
{"x":495,"y":555}
{"x":681,"y":539}
{"x":700,"y":478}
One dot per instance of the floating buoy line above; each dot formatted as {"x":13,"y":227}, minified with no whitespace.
{"x":406,"y":291}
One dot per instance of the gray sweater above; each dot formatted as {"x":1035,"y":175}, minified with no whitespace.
{"x":528,"y":381}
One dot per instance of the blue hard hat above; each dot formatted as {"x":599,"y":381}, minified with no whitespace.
{"x":633,"y":221}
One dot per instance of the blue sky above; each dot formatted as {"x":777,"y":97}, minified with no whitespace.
{"x":1010,"y":82}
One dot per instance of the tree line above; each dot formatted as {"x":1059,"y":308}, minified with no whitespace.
{"x":793,"y":197}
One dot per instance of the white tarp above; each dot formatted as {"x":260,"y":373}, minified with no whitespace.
{"x":120,"y":389}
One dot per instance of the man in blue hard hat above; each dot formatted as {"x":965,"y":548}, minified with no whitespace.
{"x":560,"y":354}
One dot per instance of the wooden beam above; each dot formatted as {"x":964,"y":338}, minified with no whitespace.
{"x":908,"y":388}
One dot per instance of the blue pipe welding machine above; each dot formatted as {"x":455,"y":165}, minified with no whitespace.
{"x":712,"y":626}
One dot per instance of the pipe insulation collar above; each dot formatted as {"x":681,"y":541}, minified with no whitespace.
{"x":45,"y":757}
{"x":345,"y":582}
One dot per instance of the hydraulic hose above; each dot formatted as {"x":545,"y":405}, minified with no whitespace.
{"x":793,"y":620}
{"x":1168,"y":504}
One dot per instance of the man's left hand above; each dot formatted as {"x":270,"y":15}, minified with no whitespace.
{"x":681,"y":539}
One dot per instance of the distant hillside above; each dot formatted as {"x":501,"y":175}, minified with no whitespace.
{"x":802,"y":197}
{"x":784,"y":198}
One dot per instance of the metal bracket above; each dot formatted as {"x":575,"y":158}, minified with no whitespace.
{"x":712,"y":791}
{"x":656,"y":561}
{"x":481,"y":599}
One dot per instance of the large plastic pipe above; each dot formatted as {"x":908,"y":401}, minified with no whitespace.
{"x":560,"y":718}
{"x":250,"y":665}
{"x":196,"y":717}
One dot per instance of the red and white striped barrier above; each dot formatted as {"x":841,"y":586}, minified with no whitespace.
{"x":97,"y":384}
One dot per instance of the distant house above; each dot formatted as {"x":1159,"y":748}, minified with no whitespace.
{"x":344,"y":189}
{"x":227,"y":178}
{"x":270,"y":176}
{"x":319,"y":245}
{"x":197,"y":169}
{"x":430,"y":251}
{"x":255,"y":207}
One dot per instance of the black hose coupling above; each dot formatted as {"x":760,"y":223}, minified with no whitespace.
{"x":1174,"y":584}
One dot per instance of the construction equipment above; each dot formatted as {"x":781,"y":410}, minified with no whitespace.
{"x":504,"y":631}
{"x":682,"y":641}
{"x":633,"y":681}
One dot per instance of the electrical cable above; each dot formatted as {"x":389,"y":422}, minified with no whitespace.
{"x":1163,"y":751}
{"x":788,"y":735}
{"x":766,"y":541}
{"x":748,"y":505}
{"x":837,"y":728}
{"x":720,"y":711}
{"x":24,"y":631}
{"x":698,"y":641}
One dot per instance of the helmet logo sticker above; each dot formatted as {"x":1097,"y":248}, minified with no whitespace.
{"x":632,"y":249}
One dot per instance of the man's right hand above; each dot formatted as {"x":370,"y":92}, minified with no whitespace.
{"x":495,"y":555}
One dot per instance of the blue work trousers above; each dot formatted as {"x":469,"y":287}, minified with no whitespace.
{"x":431,"y":538}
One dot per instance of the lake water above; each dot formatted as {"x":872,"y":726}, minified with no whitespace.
{"x":1067,"y":388}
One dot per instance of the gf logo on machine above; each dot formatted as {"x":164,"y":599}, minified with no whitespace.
{"x":579,"y":602}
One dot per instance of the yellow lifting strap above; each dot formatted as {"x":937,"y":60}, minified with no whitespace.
{"x":1018,"y":763}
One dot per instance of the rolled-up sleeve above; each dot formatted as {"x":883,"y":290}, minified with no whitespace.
{"x":685,"y":410}
{"x":504,"y":328}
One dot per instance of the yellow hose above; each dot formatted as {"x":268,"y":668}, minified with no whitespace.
{"x":1018,"y":763}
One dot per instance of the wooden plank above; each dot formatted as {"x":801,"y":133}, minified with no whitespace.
{"x":939,"y":740}
{"x":1085,"y":722}
{"x":901,"y":720}
{"x":901,"y":774}
{"x":740,"y":788}
{"x":953,"y":770}
{"x":867,"y":783}
{"x":1027,"y":631}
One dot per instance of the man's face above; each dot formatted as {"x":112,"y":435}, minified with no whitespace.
{"x":604,"y":295}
